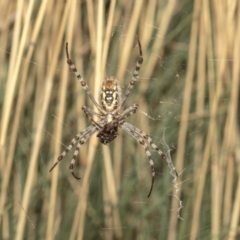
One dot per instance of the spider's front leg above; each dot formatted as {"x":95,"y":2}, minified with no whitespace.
{"x":80,"y":79}
{"x":135,"y":73}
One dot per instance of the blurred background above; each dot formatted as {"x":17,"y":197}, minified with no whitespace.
{"x":189,"y":104}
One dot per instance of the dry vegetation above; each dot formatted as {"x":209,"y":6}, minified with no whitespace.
{"x":188,"y":95}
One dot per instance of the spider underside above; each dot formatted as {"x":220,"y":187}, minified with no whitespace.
{"x":110,"y":118}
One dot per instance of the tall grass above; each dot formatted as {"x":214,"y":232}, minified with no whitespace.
{"x":188,"y":96}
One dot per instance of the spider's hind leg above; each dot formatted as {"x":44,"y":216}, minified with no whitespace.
{"x":82,"y":137}
{"x":64,"y":153}
{"x":168,"y":160}
{"x":140,"y":139}
{"x":74,"y":159}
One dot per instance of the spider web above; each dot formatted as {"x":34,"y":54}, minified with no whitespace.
{"x":160,"y":96}
{"x":40,"y":188}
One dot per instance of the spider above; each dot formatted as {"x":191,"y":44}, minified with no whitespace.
{"x":110,"y":118}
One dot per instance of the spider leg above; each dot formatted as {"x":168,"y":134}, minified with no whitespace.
{"x":89,"y":115}
{"x":135,"y":74}
{"x":73,"y":142}
{"x":138,"y":138}
{"x":128,"y":112}
{"x":81,"y":142}
{"x":74,"y":160}
{"x":154,"y":146}
{"x":80,"y":79}
{"x":89,"y":111}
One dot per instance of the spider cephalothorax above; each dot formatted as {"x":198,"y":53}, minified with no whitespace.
{"x":110,"y":118}
{"x":110,"y":94}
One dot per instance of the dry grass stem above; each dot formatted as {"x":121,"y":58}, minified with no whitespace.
{"x":188,"y":96}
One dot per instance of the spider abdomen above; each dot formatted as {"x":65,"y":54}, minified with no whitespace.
{"x":110,"y":94}
{"x":108,"y":133}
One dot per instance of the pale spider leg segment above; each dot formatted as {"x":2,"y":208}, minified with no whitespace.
{"x":135,"y":74}
{"x":82,"y":82}
{"x":127,"y":113}
{"x":74,"y":160}
{"x":148,"y":153}
{"x":89,"y":116}
{"x":154,"y":146}
{"x":73,"y":142}
{"x":89,"y":111}
{"x":81,"y":142}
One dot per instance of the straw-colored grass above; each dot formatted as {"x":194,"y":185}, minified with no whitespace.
{"x":188,"y":92}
